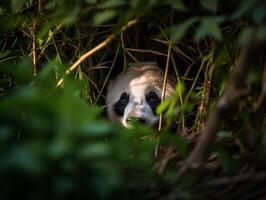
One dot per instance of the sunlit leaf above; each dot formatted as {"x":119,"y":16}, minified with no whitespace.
{"x":104,"y":16}
{"x":162,"y":107}
{"x":171,"y":108}
{"x":180,"y":88}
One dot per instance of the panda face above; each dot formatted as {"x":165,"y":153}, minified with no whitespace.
{"x":134,"y":96}
{"x":137,"y":106}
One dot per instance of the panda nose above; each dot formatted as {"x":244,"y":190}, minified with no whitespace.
{"x":139,"y":120}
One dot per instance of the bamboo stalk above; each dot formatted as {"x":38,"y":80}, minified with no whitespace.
{"x":33,"y":34}
{"x":100,"y":46}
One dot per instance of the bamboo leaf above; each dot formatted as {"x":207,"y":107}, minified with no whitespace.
{"x":104,"y":16}
{"x":177,"y":5}
{"x":210,"y":5}
{"x":210,"y":27}
{"x":16,"y":5}
{"x":162,"y":107}
{"x":178,"y":31}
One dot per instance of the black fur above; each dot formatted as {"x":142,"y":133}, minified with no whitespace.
{"x":153,"y":101}
{"x":120,"y":105}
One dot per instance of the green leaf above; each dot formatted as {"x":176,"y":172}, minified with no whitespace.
{"x":210,"y":5}
{"x":94,"y":150}
{"x":177,"y":5}
{"x":223,"y":58}
{"x":4,"y":54}
{"x":210,"y":27}
{"x":226,"y":160}
{"x":224,"y":134}
{"x":182,"y":146}
{"x":104,"y":16}
{"x":243,"y":9}
{"x":16,"y":5}
{"x":72,"y":15}
{"x":178,"y":31}
{"x":20,"y":71}
{"x":22,"y":159}
{"x":96,"y":129}
{"x":162,"y":107}
{"x":59,"y":148}
{"x":170,"y":109}
{"x":180,"y":88}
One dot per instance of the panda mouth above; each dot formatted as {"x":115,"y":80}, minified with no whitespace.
{"x":136,"y":120}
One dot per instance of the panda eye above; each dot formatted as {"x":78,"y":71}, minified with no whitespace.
{"x":124,"y":99}
{"x":120,"y":105}
{"x":152,"y":98}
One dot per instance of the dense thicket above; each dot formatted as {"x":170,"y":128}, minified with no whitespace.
{"x":56,"y":59}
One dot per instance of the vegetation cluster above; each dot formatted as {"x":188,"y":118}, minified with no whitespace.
{"x":56,"y":60}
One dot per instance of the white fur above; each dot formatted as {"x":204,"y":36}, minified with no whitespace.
{"x":136,"y":81}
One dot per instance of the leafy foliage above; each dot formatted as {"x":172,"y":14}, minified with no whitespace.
{"x":55,"y":140}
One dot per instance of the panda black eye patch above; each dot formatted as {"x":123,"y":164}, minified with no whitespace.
{"x":120,"y":105}
{"x":153,"y":100}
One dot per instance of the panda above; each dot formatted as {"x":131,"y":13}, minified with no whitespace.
{"x":134,"y":95}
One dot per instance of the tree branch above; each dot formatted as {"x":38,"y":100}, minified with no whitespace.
{"x":100,"y":46}
{"x":226,"y":104}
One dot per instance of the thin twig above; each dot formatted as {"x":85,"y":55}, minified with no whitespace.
{"x":39,"y":5}
{"x":165,"y":82}
{"x":163,"y":96}
{"x":109,"y":73}
{"x":147,"y":51}
{"x":33,"y":34}
{"x":100,"y":46}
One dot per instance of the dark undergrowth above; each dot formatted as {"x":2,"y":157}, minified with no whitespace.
{"x":56,"y":60}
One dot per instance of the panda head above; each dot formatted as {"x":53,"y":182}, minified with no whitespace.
{"x":134,"y":95}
